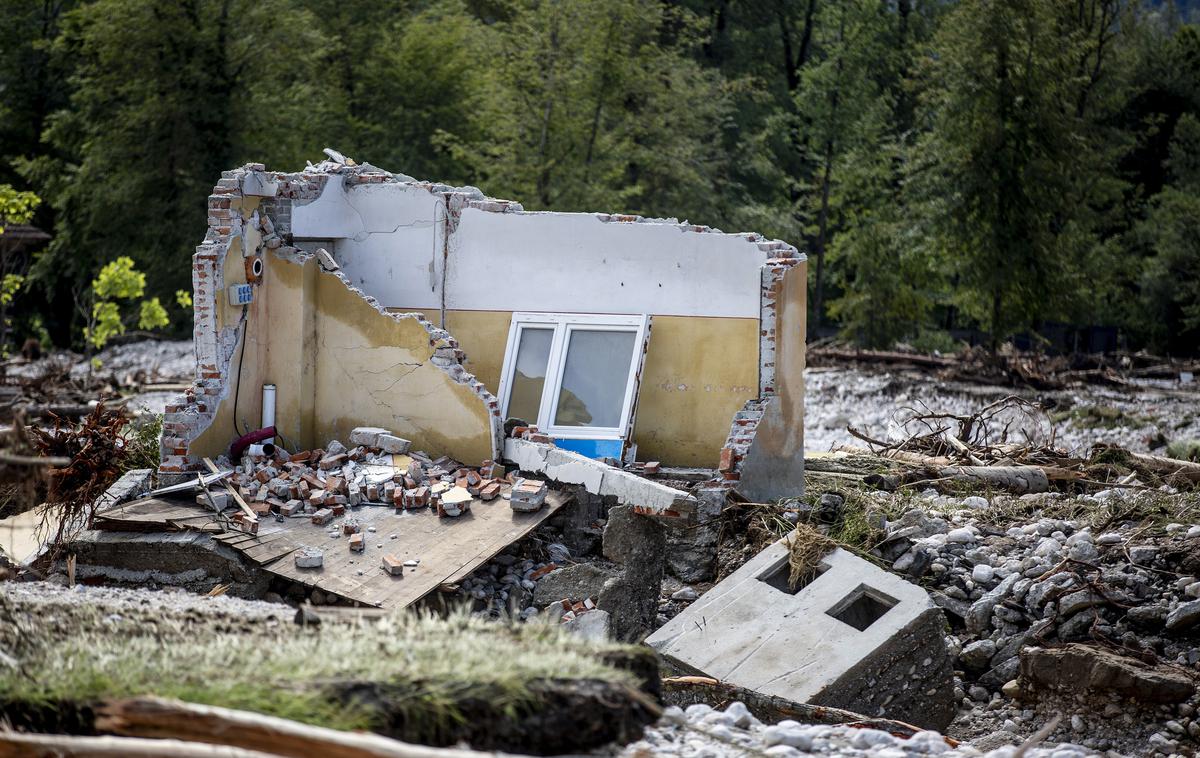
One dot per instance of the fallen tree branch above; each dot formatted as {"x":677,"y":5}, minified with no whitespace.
{"x":21,"y":745}
{"x":157,"y":717}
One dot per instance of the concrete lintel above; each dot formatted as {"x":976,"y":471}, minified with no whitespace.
{"x":647,"y":497}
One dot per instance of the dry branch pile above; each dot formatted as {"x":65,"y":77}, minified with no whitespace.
{"x":1009,"y":445}
{"x":1014,"y":368}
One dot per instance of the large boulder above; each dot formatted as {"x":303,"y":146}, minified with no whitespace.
{"x":576,"y":583}
{"x":1078,"y":669}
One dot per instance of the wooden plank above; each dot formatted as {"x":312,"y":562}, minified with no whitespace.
{"x":271,"y":551}
{"x":448,"y":549}
{"x":233,"y":491}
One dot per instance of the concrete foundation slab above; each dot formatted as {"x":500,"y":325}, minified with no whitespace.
{"x":854,"y":636}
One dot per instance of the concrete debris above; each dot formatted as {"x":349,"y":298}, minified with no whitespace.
{"x":850,"y":636}
{"x":1081,"y":669}
{"x":527,"y":495}
{"x":308,"y":557}
{"x":581,"y":581}
{"x":378,"y":470}
{"x":537,"y":456}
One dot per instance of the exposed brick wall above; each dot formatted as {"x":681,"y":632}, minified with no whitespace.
{"x":188,"y":415}
{"x":745,"y":422}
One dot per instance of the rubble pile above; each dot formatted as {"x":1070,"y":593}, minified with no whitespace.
{"x":703,"y":731}
{"x":321,"y":484}
{"x":1015,"y":593}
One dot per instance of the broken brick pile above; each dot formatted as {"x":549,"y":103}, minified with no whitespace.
{"x":322,"y":484}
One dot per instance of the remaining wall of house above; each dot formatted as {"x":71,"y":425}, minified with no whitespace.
{"x":474,"y":261}
{"x":431,"y":254}
{"x":338,"y":359}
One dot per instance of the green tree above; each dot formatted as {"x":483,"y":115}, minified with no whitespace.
{"x":16,"y":207}
{"x":1007,"y":177}
{"x":590,"y":104}
{"x":112,"y":304}
{"x":163,"y":98}
{"x":1170,"y":281}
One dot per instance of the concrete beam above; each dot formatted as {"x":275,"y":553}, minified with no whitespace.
{"x":648,"y":498}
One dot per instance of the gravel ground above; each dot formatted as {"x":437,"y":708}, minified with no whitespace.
{"x":876,"y":403}
{"x":160,"y":360}
{"x":702,"y":732}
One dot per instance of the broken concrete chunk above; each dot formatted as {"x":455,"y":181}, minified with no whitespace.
{"x":326,"y":260}
{"x":309,"y":557}
{"x":1082,"y":668}
{"x":580,"y":581}
{"x":351,"y":526}
{"x":593,"y":626}
{"x":528,"y":495}
{"x":390,"y":443}
{"x":851,"y":637}
{"x":454,"y":502}
{"x":367,"y":436}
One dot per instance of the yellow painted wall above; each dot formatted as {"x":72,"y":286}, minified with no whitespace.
{"x":698,"y":373}
{"x":338,"y":363}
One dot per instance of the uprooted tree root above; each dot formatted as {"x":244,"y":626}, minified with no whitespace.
{"x":93,"y":452}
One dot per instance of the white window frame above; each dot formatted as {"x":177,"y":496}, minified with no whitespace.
{"x":563,"y":325}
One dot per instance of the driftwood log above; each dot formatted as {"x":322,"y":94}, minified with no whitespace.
{"x":1162,"y":466}
{"x":686,"y":690}
{"x":159,"y":718}
{"x":21,"y":745}
{"x":1018,"y":480}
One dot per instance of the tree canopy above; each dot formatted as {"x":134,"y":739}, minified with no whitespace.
{"x":984,"y":168}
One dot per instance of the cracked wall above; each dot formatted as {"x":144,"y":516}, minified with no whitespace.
{"x":337,"y":357}
{"x":434,"y":254}
{"x":467,"y":262}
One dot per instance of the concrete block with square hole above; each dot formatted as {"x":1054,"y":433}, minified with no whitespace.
{"x":850,"y":635}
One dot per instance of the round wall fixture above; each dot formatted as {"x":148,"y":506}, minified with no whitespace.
{"x":254,"y":269}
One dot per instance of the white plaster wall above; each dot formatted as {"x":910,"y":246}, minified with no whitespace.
{"x":577,"y":263}
{"x":386,"y":237}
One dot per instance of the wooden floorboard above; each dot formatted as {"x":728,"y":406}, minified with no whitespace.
{"x":448,"y":549}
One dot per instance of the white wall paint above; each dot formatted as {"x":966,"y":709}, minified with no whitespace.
{"x":387,"y":238}
{"x":576,"y":263}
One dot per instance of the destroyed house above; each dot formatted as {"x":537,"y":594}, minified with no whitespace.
{"x":365,"y":298}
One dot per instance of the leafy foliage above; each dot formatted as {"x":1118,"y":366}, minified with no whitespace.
{"x":118,"y":281}
{"x":964,"y":164}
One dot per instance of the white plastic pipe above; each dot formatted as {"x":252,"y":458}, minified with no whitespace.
{"x":268,"y":408}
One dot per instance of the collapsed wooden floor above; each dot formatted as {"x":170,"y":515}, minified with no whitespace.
{"x":448,"y":549}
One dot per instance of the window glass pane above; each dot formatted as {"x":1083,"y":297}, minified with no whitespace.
{"x":529,"y":375}
{"x":594,"y":378}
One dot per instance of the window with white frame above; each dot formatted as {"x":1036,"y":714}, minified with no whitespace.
{"x":573,"y":375}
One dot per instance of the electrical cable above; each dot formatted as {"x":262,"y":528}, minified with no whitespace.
{"x":237,"y":387}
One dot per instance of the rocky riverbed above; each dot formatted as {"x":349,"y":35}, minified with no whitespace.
{"x":879,"y":403}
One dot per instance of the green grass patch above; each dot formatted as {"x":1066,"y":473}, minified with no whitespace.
{"x":429,"y":666}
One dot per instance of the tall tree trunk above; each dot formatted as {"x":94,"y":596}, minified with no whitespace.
{"x":827,"y":178}
{"x":543,"y":177}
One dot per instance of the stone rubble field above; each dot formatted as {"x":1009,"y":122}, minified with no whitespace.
{"x":874,"y":402}
{"x":704,"y":732}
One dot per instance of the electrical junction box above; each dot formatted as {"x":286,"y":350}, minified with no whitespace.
{"x":241,"y":294}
